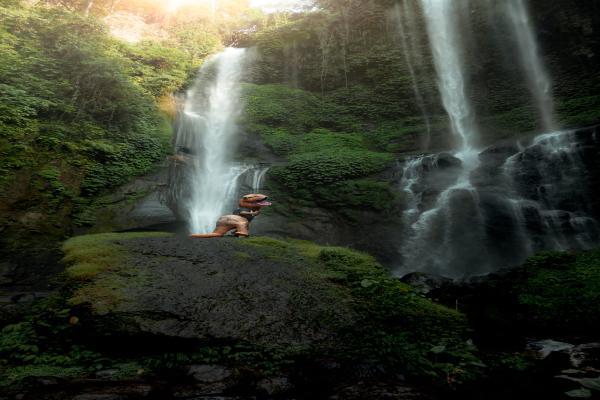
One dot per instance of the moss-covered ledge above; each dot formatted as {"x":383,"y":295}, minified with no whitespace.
{"x":270,"y":306}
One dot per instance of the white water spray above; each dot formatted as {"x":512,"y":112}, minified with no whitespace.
{"x":538,"y":78}
{"x":207,"y":133}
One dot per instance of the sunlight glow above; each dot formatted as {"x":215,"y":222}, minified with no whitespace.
{"x":174,"y":5}
{"x":280,"y":5}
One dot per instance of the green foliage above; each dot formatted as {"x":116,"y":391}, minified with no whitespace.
{"x":78,"y":114}
{"x":561,"y":291}
{"x":397,"y":327}
{"x":580,"y":111}
{"x":157,"y":68}
{"x":323,"y":159}
{"x":42,"y":344}
{"x":361,"y":194}
{"x":297,"y":110}
{"x":324,"y":167}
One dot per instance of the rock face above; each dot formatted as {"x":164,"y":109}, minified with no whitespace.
{"x":246,"y":318}
{"x":135,"y":205}
{"x":218,"y":290}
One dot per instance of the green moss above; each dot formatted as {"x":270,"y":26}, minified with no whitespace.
{"x":17,"y":374}
{"x":320,"y":168}
{"x":89,"y":255}
{"x":561,"y":291}
{"x":580,"y":111}
{"x":396,"y":326}
{"x":364,"y":194}
{"x":282,"y":106}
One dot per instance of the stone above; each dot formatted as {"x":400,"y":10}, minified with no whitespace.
{"x":543,"y":348}
{"x":496,"y":155}
{"x":579,"y":393}
{"x":425,"y":283}
{"x":107,"y":374}
{"x":7,"y":271}
{"x":209,"y":373}
{"x":206,"y":290}
{"x":275,"y":386}
{"x":98,"y":396}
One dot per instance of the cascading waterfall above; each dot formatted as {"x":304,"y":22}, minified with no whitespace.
{"x":538,"y":79}
{"x":439,"y":223}
{"x":549,"y":194}
{"x":206,"y":141}
{"x":473,"y":212}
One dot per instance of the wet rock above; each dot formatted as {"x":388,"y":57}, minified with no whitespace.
{"x":425,"y":283}
{"x":209,"y":373}
{"x":496,"y":155}
{"x":7,"y":271}
{"x":32,"y":220}
{"x":543,"y":348}
{"x":108,"y":374}
{"x":362,"y":390}
{"x":98,"y":396}
{"x":274,"y":386}
{"x":215,"y":290}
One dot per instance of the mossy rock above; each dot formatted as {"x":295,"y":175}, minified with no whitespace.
{"x":286,"y":299}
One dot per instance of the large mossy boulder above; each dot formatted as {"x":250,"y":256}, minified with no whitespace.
{"x":553,"y":295}
{"x":279,"y":301}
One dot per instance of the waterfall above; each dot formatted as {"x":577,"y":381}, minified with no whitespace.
{"x":472,"y":212}
{"x":258,"y":176}
{"x":440,"y":231}
{"x":404,"y":16}
{"x":205,"y":142}
{"x":519,"y":200}
{"x":441,"y":18}
{"x":548,"y":189}
{"x":538,"y":80}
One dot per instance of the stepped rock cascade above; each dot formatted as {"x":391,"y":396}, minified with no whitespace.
{"x":520,"y":200}
{"x":538,"y":79}
{"x":206,"y":138}
{"x":550,"y":194}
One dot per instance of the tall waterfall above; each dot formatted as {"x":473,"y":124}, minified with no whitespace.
{"x":538,"y":79}
{"x":445,"y":40}
{"x":206,"y":141}
{"x":473,"y":211}
{"x":435,"y":235}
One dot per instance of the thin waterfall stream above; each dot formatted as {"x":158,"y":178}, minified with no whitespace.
{"x":537,"y":76}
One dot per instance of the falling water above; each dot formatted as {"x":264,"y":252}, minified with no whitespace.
{"x":206,"y":139}
{"x":537,"y":77}
{"x":549,"y":193}
{"x":473,"y":212}
{"x":445,"y":40}
{"x":453,"y":222}
{"x":258,"y":176}
{"x":404,"y":17}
